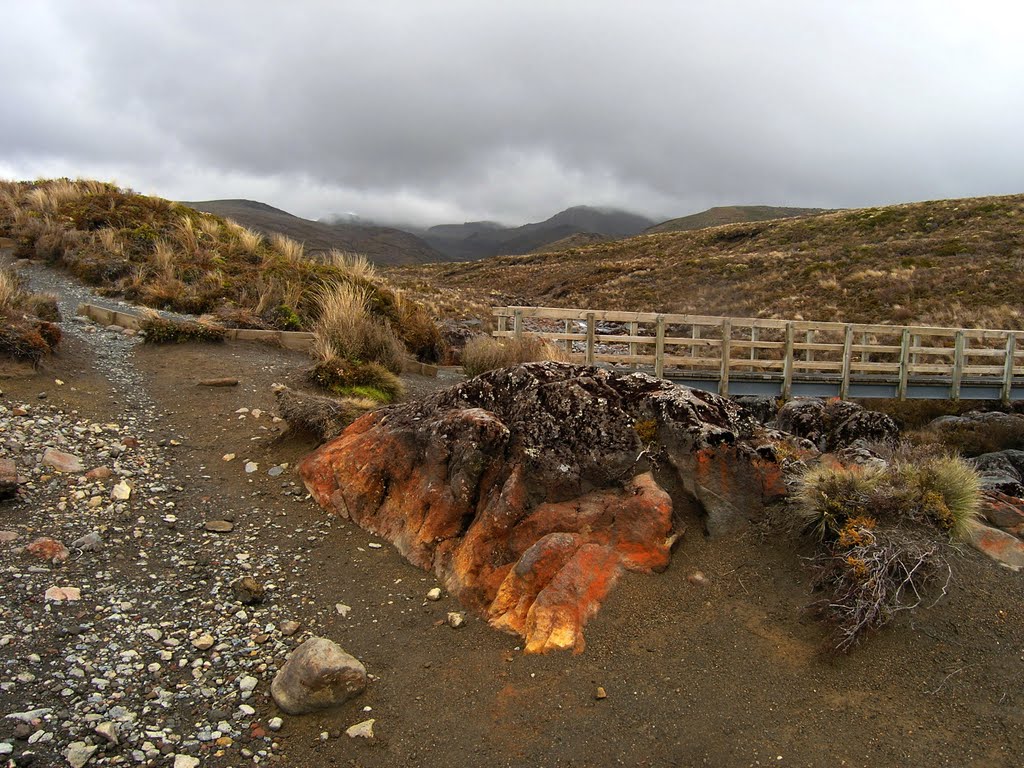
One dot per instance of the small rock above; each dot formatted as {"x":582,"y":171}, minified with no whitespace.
{"x":434,"y":594}
{"x":108,"y":731}
{"x":697,"y":578}
{"x":248,"y":591}
{"x":62,"y":462}
{"x":121,"y":492}
{"x":46,"y":548}
{"x":7,"y":536}
{"x":275,"y":723}
{"x":204,"y":642}
{"x":186,"y":761}
{"x":63,"y":594}
{"x":225,"y":382}
{"x":363,"y":730}
{"x":289,"y":627}
{"x":91,"y":542}
{"x":219,"y":526}
{"x":456,"y":619}
{"x":250,"y":467}
{"x":228,"y":457}
{"x":275,"y":471}
{"x":98,"y":473}
{"x":247,"y":683}
{"x":8,"y":478}
{"x":343,"y":610}
{"x":319,"y":674}
{"x":600,"y":693}
{"x":79,"y":753}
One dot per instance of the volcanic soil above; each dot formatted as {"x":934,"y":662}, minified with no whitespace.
{"x":728,"y":672}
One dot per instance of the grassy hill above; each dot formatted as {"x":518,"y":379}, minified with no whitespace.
{"x":381,"y":245}
{"x":730,"y":214}
{"x":949,"y":262}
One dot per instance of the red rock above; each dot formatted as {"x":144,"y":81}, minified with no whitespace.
{"x":999,"y":545}
{"x":46,"y":548}
{"x":1003,"y":511}
{"x":61,"y":461}
{"x":528,"y":490}
{"x":99,"y":473}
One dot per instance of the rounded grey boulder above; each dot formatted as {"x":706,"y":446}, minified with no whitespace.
{"x":319,"y":674}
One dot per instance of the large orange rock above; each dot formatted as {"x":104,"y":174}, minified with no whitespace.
{"x":528,"y":490}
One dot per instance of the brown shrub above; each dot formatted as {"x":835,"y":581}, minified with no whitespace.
{"x":484,"y":353}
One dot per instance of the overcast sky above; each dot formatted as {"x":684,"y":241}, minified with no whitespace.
{"x":431,"y":111}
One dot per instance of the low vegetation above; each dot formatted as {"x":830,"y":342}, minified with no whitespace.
{"x":484,"y":353}
{"x":160,"y":330}
{"x":946,"y":263}
{"x":165,"y":255}
{"x":881,"y":533}
{"x":318,"y":416}
{"x":28,"y":321}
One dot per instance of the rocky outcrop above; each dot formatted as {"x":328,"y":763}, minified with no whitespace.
{"x":835,"y":424}
{"x":527,"y":490}
{"x":1002,"y":471}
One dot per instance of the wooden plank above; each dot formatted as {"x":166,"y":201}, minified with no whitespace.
{"x":957,"y":373}
{"x":753,"y":341}
{"x":787,"y":370}
{"x":901,"y":388}
{"x":659,"y":346}
{"x":844,"y":386}
{"x":591,"y":332}
{"x":808,"y":345}
{"x":695,"y":335}
{"x":517,"y":323}
{"x":1011,"y":349}
{"x":567,"y":340}
{"x":817,"y":365}
{"x":634,"y":330}
{"x":723,"y":376}
{"x":502,"y":324}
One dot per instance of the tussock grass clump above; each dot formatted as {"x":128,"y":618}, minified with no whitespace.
{"x":484,"y":353}
{"x":160,"y":330}
{"x":354,"y":265}
{"x":317,"y":415}
{"x":345,"y":329}
{"x":881,"y":533}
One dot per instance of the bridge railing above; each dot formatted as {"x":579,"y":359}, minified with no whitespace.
{"x":782,"y":350}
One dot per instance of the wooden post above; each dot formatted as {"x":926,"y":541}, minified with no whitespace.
{"x":844,"y":386}
{"x":517,"y":323}
{"x":865,"y":356}
{"x":915,"y":341}
{"x":809,"y":339}
{"x":723,"y":379}
{"x":568,"y":342}
{"x":753,"y":340}
{"x":502,"y":323}
{"x":958,"y":365}
{"x":901,"y":388}
{"x":634,"y":329}
{"x":694,"y":333}
{"x":1011,"y":349}
{"x":591,"y":332}
{"x":787,"y":365}
{"x":659,"y":346}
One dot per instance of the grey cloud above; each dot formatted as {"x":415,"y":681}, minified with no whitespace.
{"x":454,"y":110}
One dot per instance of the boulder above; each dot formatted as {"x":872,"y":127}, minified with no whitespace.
{"x":527,"y":490}
{"x":834,"y":424}
{"x":319,"y":674}
{"x":1002,"y":471}
{"x":999,"y":545}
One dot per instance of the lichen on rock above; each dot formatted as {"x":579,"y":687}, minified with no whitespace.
{"x":527,"y":490}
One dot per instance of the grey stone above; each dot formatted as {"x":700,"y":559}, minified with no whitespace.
{"x":319,"y":674}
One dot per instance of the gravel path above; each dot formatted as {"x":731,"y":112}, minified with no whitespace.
{"x":123,"y":640}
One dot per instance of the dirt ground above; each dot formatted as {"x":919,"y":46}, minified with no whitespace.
{"x":725,"y":674}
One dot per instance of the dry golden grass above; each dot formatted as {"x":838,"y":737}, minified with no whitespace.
{"x":10,"y":290}
{"x":291,"y":250}
{"x":951,"y":262}
{"x":483,"y":353}
{"x":355,"y":265}
{"x":346,"y":329}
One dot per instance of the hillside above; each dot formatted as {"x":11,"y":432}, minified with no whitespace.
{"x":382,"y":245}
{"x":943,"y":262}
{"x":480,"y":239}
{"x":730,"y":214}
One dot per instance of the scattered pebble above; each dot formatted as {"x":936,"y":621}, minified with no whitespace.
{"x":456,"y":619}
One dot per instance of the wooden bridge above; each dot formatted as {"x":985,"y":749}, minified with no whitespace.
{"x":786,"y":358}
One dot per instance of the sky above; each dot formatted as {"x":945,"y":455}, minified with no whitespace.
{"x":431,"y":111}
